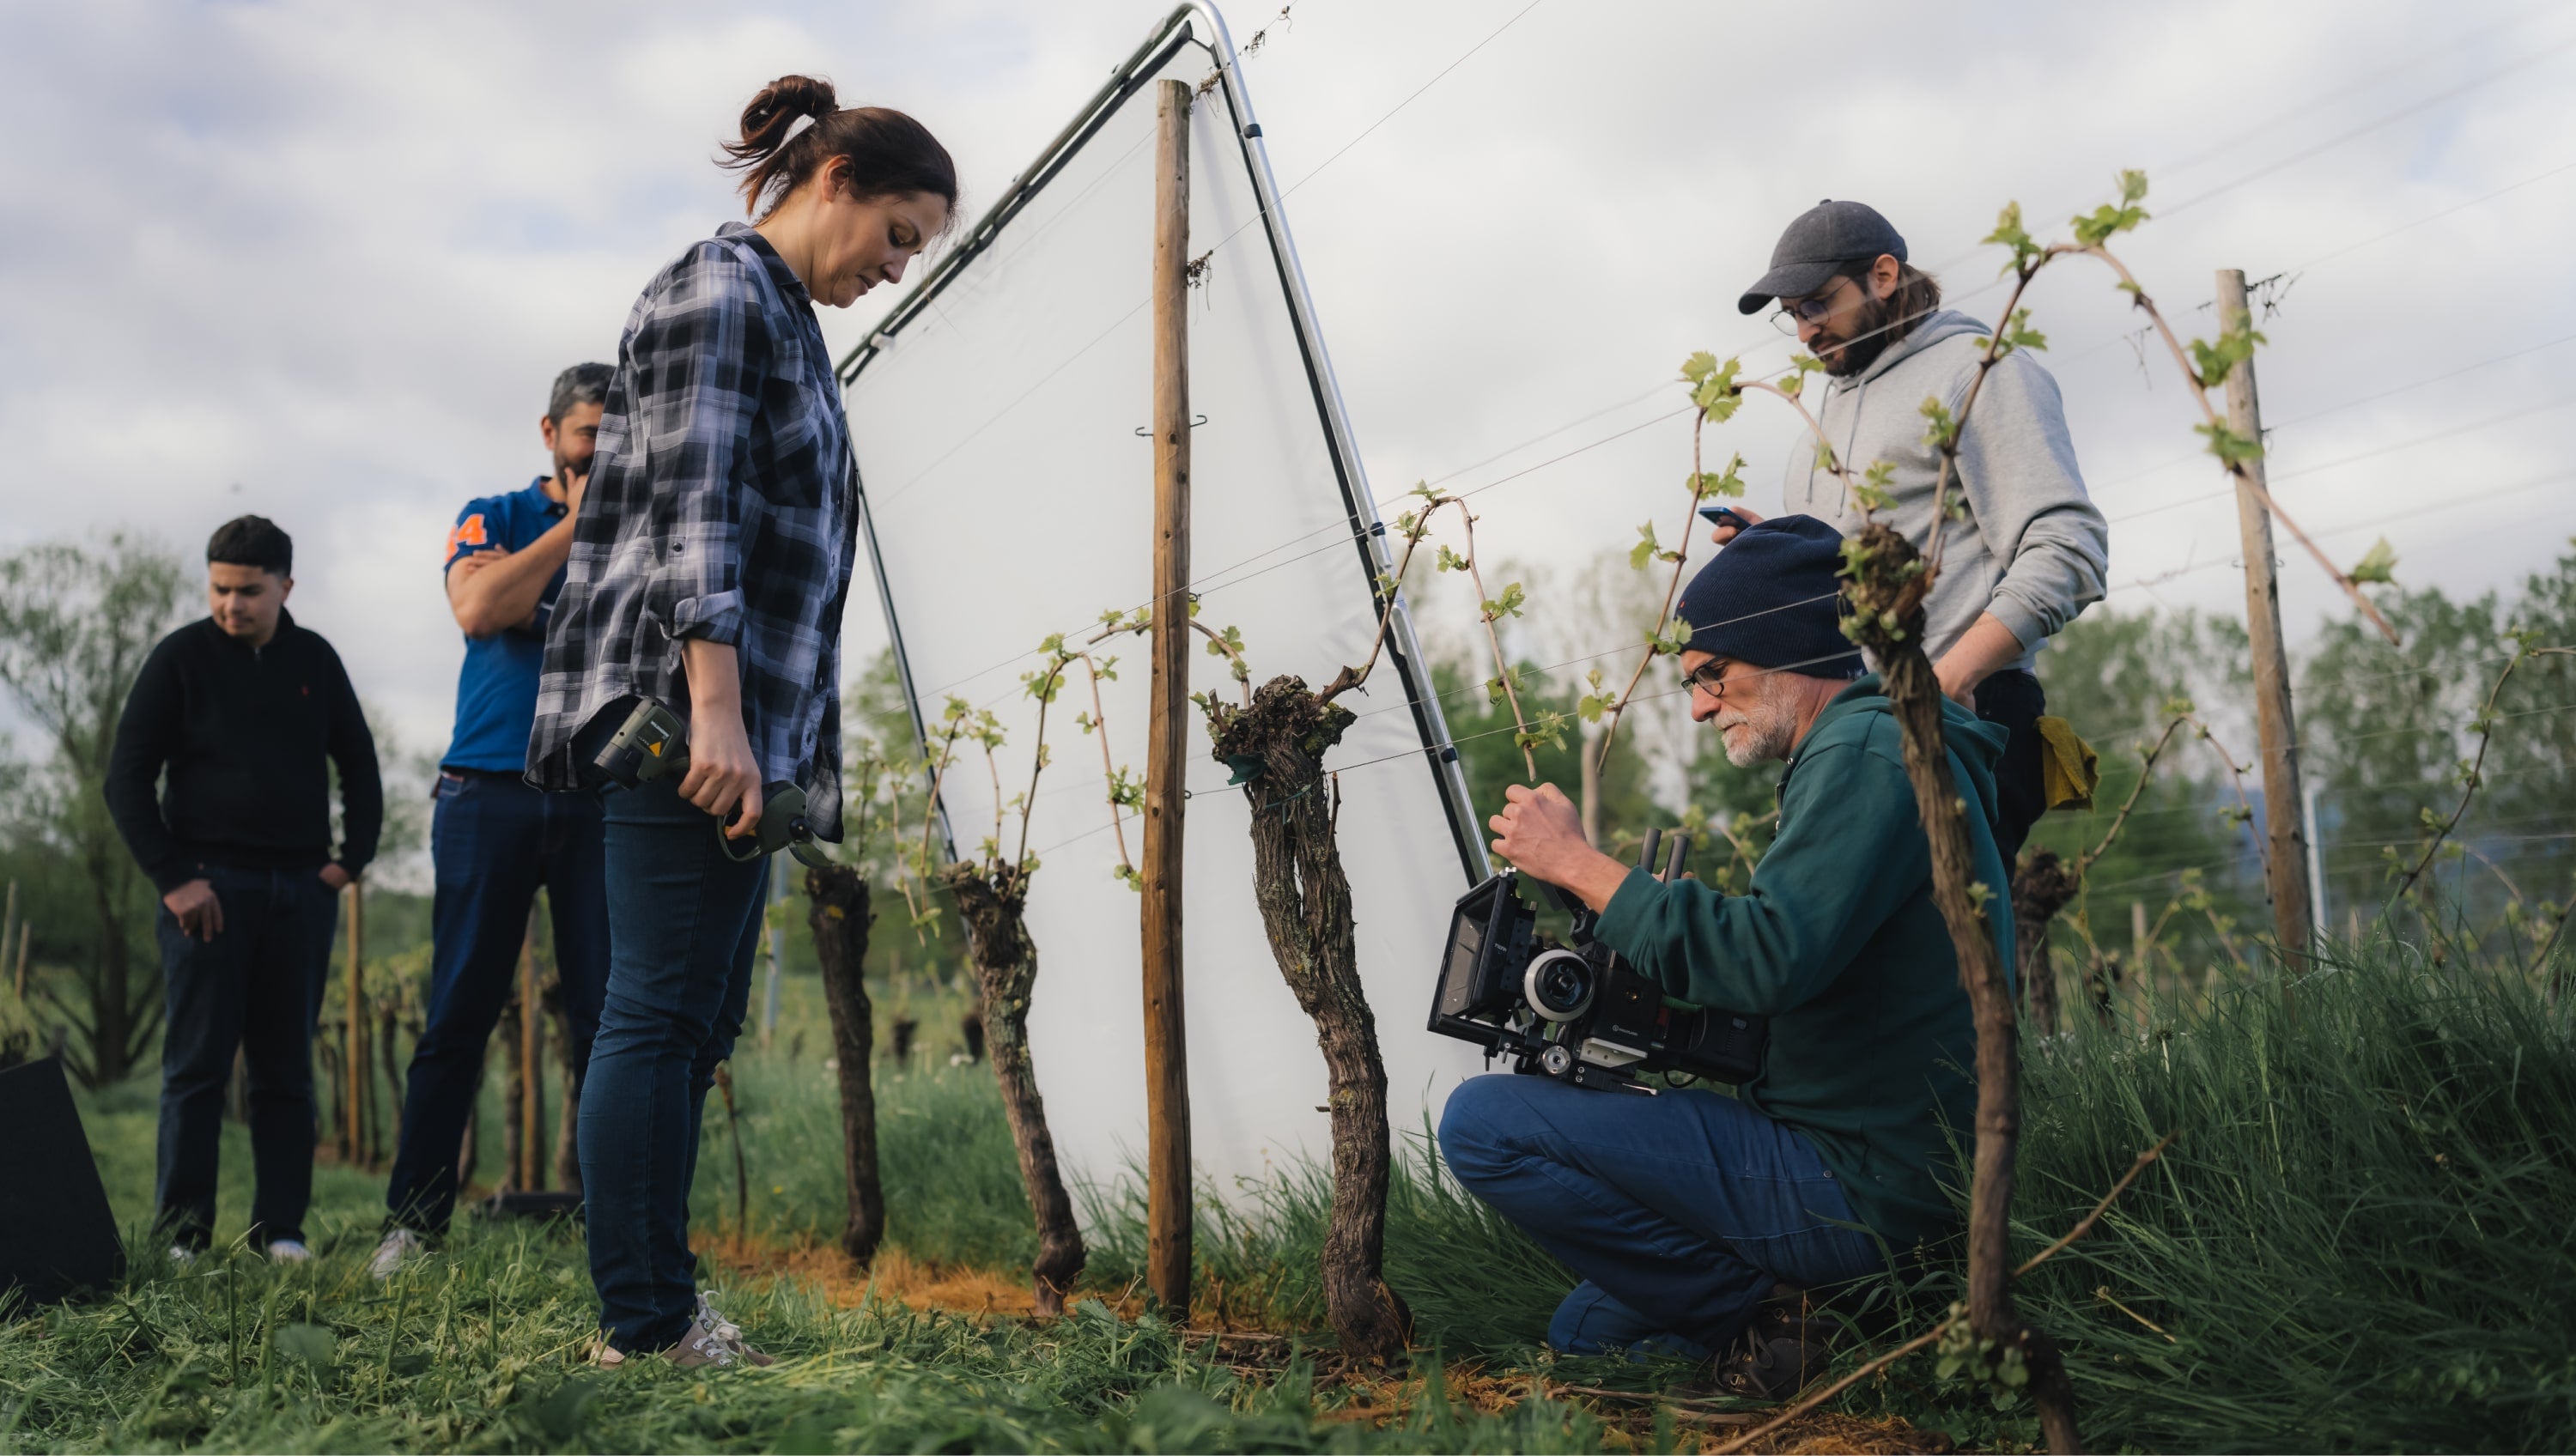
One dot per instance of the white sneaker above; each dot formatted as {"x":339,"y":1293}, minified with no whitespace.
{"x":288,"y":1251}
{"x":182,"y":1255}
{"x":399,"y":1248}
{"x":728,"y":1334}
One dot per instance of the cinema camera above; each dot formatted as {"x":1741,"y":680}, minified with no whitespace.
{"x":1580,"y":1014}
{"x":653,"y":743}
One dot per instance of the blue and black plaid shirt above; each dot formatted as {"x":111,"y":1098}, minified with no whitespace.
{"x":720,"y":506}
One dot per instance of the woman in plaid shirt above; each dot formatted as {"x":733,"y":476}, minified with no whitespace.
{"x":709,"y":566}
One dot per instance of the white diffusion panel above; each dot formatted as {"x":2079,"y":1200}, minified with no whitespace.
{"x":1011,"y":496}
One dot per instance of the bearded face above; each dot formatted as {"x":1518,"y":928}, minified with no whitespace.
{"x":1850,"y":344}
{"x":1760,"y":727}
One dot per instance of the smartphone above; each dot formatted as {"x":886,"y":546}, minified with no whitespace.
{"x":1721,"y":516}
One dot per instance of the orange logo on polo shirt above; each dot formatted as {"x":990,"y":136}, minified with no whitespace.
{"x":469,"y":533}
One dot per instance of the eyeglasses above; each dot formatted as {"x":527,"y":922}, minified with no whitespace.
{"x":1709,"y":677}
{"x":1793,"y":312}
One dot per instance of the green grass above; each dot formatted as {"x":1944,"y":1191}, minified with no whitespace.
{"x":2359,"y":1243}
{"x":482,"y":1349}
{"x":479,"y":1352}
{"x":2361,"y":1239}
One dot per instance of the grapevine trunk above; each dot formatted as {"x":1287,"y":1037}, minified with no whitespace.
{"x":1006,"y":968}
{"x":2041,"y":887}
{"x":1305,"y":900}
{"x":840,"y":918}
{"x":1886,"y":581}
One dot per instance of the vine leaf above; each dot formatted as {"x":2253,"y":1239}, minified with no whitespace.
{"x":2231,"y":448}
{"x":2010,"y":233}
{"x":2213,"y":362}
{"x":1596,"y":702}
{"x":2378,"y":564}
{"x":2017,"y":334}
{"x":1713,"y":386}
{"x":1648,"y":550}
{"x":1875,"y":489}
{"x":2110,"y":220}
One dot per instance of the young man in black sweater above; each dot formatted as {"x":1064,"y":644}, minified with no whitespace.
{"x":242,"y":709}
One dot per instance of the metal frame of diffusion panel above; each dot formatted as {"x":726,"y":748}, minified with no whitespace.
{"x":1367,"y":533}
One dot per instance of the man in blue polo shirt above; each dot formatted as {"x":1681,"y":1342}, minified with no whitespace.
{"x":494,"y":839}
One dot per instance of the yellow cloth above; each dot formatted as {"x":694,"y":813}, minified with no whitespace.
{"x":2069,"y":769}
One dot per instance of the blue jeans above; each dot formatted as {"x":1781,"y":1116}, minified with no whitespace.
{"x":494,"y":840}
{"x":256,"y":986}
{"x":684,"y":922}
{"x":1680,"y":1211}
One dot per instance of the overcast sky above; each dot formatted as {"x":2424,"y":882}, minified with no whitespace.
{"x":321,"y":261}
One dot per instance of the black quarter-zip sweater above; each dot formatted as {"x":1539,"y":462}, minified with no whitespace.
{"x":244,"y":733}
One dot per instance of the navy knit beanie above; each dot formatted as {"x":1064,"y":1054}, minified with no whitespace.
{"x":1771,"y":598}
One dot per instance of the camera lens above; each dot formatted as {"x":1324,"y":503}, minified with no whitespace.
{"x":1558,"y":985}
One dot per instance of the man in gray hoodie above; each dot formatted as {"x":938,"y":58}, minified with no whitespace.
{"x":2031,"y":550}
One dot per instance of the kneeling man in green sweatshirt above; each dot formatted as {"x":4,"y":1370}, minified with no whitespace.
{"x":1700,"y":1222}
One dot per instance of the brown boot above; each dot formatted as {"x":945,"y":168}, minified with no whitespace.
{"x":1786,"y":1349}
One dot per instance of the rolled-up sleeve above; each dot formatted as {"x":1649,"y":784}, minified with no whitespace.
{"x":2017,"y":467}
{"x":699,"y":358}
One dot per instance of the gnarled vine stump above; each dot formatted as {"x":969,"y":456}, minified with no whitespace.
{"x":1305,"y":904}
{"x":1006,"y":967}
{"x":1885,"y":581}
{"x":2041,"y":886}
{"x":840,"y":916}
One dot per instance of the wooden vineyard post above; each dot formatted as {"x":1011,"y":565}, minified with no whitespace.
{"x":353,"y":1063}
{"x":530,"y":1175}
{"x":1167,"y":1075}
{"x":2285,"y":851}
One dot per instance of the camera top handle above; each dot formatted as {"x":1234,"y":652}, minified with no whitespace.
{"x":1585,"y":917}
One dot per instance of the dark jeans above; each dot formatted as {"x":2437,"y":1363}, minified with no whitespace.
{"x":494,"y":840}
{"x":1680,"y":1211}
{"x":256,"y":986}
{"x":2012,"y":699}
{"x":684,"y":922}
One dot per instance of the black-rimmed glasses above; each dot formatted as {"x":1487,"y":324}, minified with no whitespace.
{"x":1795,"y":312}
{"x":1709,"y":677}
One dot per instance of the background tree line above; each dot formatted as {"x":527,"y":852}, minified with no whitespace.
{"x":2384,"y":731}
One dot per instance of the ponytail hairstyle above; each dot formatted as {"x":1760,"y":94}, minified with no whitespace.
{"x":889,"y":152}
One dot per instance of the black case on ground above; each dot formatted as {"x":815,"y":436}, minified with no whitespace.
{"x":57,"y":1233}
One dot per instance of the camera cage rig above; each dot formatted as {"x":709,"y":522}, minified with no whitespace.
{"x":1579,"y":1014}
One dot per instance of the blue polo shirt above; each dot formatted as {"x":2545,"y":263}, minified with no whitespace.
{"x":496,"y":690}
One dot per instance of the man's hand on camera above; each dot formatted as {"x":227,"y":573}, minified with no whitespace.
{"x":199,"y":913}
{"x":1541,"y":833}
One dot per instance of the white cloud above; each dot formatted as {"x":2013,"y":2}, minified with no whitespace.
{"x":332,"y":255}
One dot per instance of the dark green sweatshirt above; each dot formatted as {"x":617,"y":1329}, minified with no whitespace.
{"x":1873,"y":1049}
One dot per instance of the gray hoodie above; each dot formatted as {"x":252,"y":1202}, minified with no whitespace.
{"x":2033,"y":550}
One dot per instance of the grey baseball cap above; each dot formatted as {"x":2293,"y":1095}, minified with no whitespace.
{"x":1817,"y":245}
